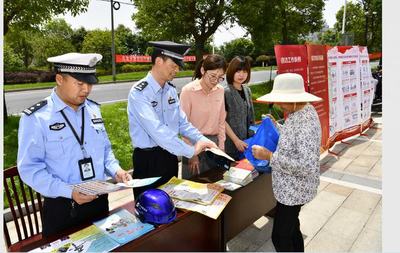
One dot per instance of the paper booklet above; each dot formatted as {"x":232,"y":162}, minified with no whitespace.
{"x":123,"y":226}
{"x":103,"y":236}
{"x":97,"y":187}
{"x":191,"y":191}
{"x":228,"y":185}
{"x":219,"y":152}
{"x":213,"y":210}
{"x":238,"y":176}
{"x":90,"y":239}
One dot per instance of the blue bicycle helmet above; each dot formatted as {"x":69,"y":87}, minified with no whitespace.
{"x":155,"y":206}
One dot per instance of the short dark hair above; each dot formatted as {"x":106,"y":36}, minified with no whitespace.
{"x":236,"y":64}
{"x":211,"y":62}
{"x":157,"y":53}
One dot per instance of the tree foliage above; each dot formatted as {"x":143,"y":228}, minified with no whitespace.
{"x":12,"y":61}
{"x":55,"y":39}
{"x":329,"y":37}
{"x":77,"y":38}
{"x":99,"y":41}
{"x":129,"y":43}
{"x":181,"y":20}
{"x":278,"y":21}
{"x":241,"y":46}
{"x":364,"y":21}
{"x":22,"y":43}
{"x":30,"y":14}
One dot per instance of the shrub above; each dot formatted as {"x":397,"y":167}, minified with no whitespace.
{"x":135,"y":68}
{"x":36,"y":76}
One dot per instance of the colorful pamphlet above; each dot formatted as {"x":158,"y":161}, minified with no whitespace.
{"x":213,"y":210}
{"x":90,"y":239}
{"x":187,"y":190}
{"x":123,"y":226}
{"x":103,"y":236}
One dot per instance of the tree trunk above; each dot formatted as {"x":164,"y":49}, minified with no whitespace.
{"x":199,"y":48}
{"x":5,"y":115}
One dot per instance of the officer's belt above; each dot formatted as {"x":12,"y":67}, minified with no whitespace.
{"x":156,"y":148}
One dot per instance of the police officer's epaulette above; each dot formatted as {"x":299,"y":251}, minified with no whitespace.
{"x":140,"y":86}
{"x":93,"y":101}
{"x":171,"y":84}
{"x":28,"y":111}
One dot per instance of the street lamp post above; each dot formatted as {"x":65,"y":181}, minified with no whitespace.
{"x":344,"y":17}
{"x":112,"y":40}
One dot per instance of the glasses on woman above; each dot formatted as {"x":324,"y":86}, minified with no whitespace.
{"x":214,"y":78}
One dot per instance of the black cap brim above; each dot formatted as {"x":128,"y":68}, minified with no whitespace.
{"x":178,"y":62}
{"x":86,"y":78}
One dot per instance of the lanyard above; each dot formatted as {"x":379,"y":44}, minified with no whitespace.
{"x":80,"y":140}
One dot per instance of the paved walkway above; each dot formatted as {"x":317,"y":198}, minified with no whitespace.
{"x":346,"y":214}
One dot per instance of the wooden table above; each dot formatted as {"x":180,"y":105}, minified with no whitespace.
{"x":189,"y":232}
{"x":247,"y":205}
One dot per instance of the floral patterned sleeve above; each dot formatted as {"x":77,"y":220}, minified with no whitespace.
{"x":298,"y":148}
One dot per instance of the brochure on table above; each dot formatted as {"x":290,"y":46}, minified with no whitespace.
{"x":191,"y":191}
{"x":213,"y":210}
{"x":103,"y":236}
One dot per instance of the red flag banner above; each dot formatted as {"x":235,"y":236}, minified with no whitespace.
{"x":120,"y":58}
{"x":318,"y":85}
{"x":292,"y":59}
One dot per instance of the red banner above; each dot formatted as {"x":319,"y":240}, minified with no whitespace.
{"x":292,"y":59}
{"x":119,"y":58}
{"x":318,"y":85}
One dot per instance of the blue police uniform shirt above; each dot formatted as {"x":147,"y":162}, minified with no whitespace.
{"x":156,"y":118}
{"x":48,"y":151}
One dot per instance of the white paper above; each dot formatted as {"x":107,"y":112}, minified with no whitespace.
{"x":219,"y":152}
{"x":139,"y":182}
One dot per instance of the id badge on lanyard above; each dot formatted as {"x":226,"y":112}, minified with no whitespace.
{"x":85,"y":165}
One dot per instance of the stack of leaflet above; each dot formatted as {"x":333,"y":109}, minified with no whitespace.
{"x":238,"y":176}
{"x":206,"y":199}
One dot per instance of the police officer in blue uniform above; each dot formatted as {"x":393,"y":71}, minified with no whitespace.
{"x":62,"y":141}
{"x":156,"y":120}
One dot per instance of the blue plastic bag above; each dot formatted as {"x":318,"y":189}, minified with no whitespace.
{"x":267,"y":136}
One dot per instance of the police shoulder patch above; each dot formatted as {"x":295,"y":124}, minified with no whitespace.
{"x":30,"y":110}
{"x":171,"y":84}
{"x":93,"y":101}
{"x":140,"y":86}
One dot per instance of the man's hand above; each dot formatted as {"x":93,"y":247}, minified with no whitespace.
{"x":240,"y":145}
{"x":81,"y":198}
{"x":194,"y":165}
{"x":201,"y":145}
{"x":121,"y":176}
{"x":261,"y":153}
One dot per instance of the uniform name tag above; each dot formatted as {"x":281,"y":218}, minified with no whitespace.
{"x":97,"y":121}
{"x":86,"y":168}
{"x":57,"y":126}
{"x":171,"y":100}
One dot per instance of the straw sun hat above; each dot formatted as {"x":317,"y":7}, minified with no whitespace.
{"x":289,"y":88}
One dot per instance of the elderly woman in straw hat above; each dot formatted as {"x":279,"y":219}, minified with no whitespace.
{"x":295,"y":163}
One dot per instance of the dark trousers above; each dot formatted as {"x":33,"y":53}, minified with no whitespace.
{"x":154,"y":162}
{"x":286,"y":234}
{"x":58,"y":213}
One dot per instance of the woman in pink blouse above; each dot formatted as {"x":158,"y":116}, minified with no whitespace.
{"x":295,"y":163}
{"x":203,"y":102}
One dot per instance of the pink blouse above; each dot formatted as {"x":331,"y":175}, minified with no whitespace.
{"x":205,"y":111}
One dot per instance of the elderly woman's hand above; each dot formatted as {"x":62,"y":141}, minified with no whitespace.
{"x":261,"y":153}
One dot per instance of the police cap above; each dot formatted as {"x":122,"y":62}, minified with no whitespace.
{"x":171,"y":49}
{"x":80,"y":66}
